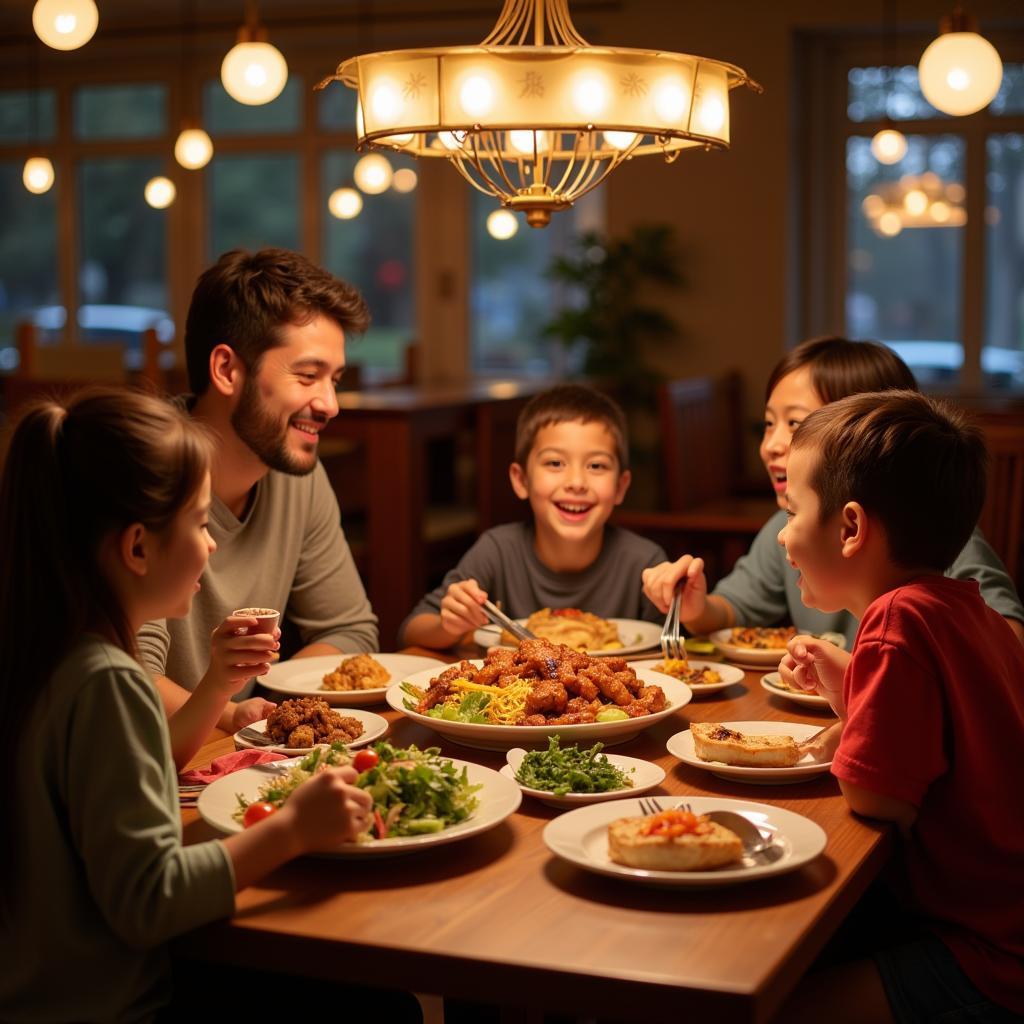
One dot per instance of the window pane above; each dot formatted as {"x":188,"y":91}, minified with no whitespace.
{"x":1002,"y":358}
{"x":253,"y":201}
{"x":223,"y":115}
{"x":122,"y":275}
{"x":512,"y":294}
{"x":895,"y":92}
{"x":374,"y":251}
{"x":1010,"y":98}
{"x":28,"y":257}
{"x":903,"y":269}
{"x":120,"y":111}
{"x":22,"y":121}
{"x":336,"y":108}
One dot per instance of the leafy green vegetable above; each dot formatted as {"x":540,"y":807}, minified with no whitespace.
{"x":562,"y":770}
{"x":469,"y":709}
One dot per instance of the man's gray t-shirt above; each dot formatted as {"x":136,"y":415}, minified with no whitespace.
{"x":505,"y":564}
{"x":762,"y":586}
{"x":288,"y":553}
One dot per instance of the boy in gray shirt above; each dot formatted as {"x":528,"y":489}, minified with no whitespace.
{"x":571,"y":464}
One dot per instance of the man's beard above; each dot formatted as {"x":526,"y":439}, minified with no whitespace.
{"x":265,"y":435}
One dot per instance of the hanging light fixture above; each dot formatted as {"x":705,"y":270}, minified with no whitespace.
{"x":253,"y":71}
{"x":193,"y":148}
{"x":345,"y":203}
{"x":404,"y":179}
{"x":960,"y":71}
{"x":502,"y":224}
{"x":889,"y":144}
{"x":538,"y":124}
{"x":915,"y":201}
{"x":160,"y":192}
{"x":65,"y":24}
{"x":37,"y":174}
{"x":373,"y":174}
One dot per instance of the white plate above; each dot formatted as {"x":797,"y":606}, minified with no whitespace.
{"x":761,"y":658}
{"x":645,"y":775}
{"x":730,"y":675}
{"x":681,"y":745}
{"x":636,"y":636}
{"x":303,"y":677}
{"x":581,"y":837}
{"x":374,"y":726}
{"x":771,"y":682}
{"x":502,"y":737}
{"x":498,"y":799}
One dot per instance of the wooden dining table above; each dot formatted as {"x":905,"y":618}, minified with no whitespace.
{"x":498,"y":918}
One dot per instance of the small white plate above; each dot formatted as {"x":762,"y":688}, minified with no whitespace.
{"x":681,"y":745}
{"x":374,"y":726}
{"x":636,"y":636}
{"x":644,"y":775}
{"x":758,"y":657}
{"x":502,"y":737}
{"x":581,"y":837}
{"x":772,"y":682}
{"x":304,"y":677}
{"x":730,"y":675}
{"x":498,"y":798}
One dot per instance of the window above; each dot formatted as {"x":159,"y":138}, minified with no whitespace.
{"x":253,"y":202}
{"x":223,"y":115}
{"x":120,"y":112}
{"x":928,"y":255}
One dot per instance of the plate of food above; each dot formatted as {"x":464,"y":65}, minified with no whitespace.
{"x":519,"y":698}
{"x":618,"y":839}
{"x":700,"y":676}
{"x":344,"y":680}
{"x":571,"y":776}
{"x":762,"y":645}
{"x":420,"y":798}
{"x":773,"y":683}
{"x":581,"y":631}
{"x":764,"y":753}
{"x":296,"y":726}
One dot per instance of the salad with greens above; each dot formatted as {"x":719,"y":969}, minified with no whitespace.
{"x":561,"y":770}
{"x":470,"y":708}
{"x":415,"y":792}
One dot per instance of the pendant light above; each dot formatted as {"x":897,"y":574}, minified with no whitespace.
{"x":37,"y":175}
{"x":345,"y":203}
{"x":65,"y":24}
{"x":253,"y":72}
{"x":193,"y":148}
{"x":960,"y":71}
{"x":889,"y":144}
{"x":160,"y":192}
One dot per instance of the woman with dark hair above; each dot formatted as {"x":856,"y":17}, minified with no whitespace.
{"x":103,"y":515}
{"x":762,"y":588}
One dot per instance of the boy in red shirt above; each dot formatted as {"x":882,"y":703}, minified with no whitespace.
{"x":883,"y":491}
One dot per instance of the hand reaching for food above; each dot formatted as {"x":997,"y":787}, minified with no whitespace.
{"x":245,"y":712}
{"x":461,"y":608}
{"x":328,"y":810}
{"x":822,"y":745}
{"x":814,"y":665}
{"x":660,"y":583}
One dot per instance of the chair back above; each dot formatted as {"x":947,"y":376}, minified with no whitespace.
{"x":1002,"y":517}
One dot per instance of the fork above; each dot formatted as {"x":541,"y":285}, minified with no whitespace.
{"x":671,"y":645}
{"x":255,"y":737}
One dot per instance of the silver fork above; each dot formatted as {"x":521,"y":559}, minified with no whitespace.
{"x":671,"y":645}
{"x":648,"y":805}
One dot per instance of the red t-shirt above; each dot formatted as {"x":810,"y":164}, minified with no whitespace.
{"x":935,"y":697}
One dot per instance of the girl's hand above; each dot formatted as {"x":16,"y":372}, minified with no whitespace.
{"x":237,"y":655}
{"x":327,"y":810}
{"x":460,"y":608}
{"x":660,"y":583}
{"x":818,"y":666}
{"x":245,"y":712}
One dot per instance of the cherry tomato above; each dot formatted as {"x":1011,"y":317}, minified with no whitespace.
{"x":364,"y":760}
{"x":257,"y":812}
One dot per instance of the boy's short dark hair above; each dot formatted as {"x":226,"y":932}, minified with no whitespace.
{"x":564,"y":404}
{"x":917,"y":464}
{"x":245,"y":298}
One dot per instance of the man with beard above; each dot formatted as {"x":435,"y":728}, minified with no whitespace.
{"x":265,"y":347}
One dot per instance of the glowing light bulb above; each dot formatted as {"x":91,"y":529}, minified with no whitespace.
{"x":65,"y":24}
{"x":396,"y":140}
{"x":873,"y":205}
{"x":522,"y":141}
{"x":345,"y":203}
{"x":915,"y":202}
{"x":889,"y":146}
{"x":373,"y":174}
{"x":385,"y":101}
{"x":890,"y":224}
{"x":712,"y":115}
{"x":671,"y":100}
{"x":451,"y":140}
{"x":160,"y":192}
{"x":619,"y":140}
{"x":193,"y":149}
{"x":960,"y":73}
{"x":502,"y":224}
{"x":589,"y":95}
{"x":476,"y":96}
{"x":254,"y":73}
{"x":404,"y":180}
{"x":940,"y":211}
{"x":37,"y":175}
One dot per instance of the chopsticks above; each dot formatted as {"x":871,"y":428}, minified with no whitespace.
{"x":499,"y":618}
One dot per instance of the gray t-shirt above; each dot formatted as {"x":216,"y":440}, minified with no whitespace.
{"x":762,"y":585}
{"x":289,"y":553}
{"x":505,"y":564}
{"x":103,"y":879}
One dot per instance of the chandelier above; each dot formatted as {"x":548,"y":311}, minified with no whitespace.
{"x":536,"y":123}
{"x":915,"y":201}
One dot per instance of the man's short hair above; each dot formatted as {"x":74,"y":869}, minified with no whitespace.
{"x":916,"y":464}
{"x":565,"y":404}
{"x":245,"y":298}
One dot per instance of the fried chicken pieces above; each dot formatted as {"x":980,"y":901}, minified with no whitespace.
{"x":569,"y":687}
{"x":308,"y":720}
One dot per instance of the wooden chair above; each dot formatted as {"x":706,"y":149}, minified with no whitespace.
{"x":1002,"y":517}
